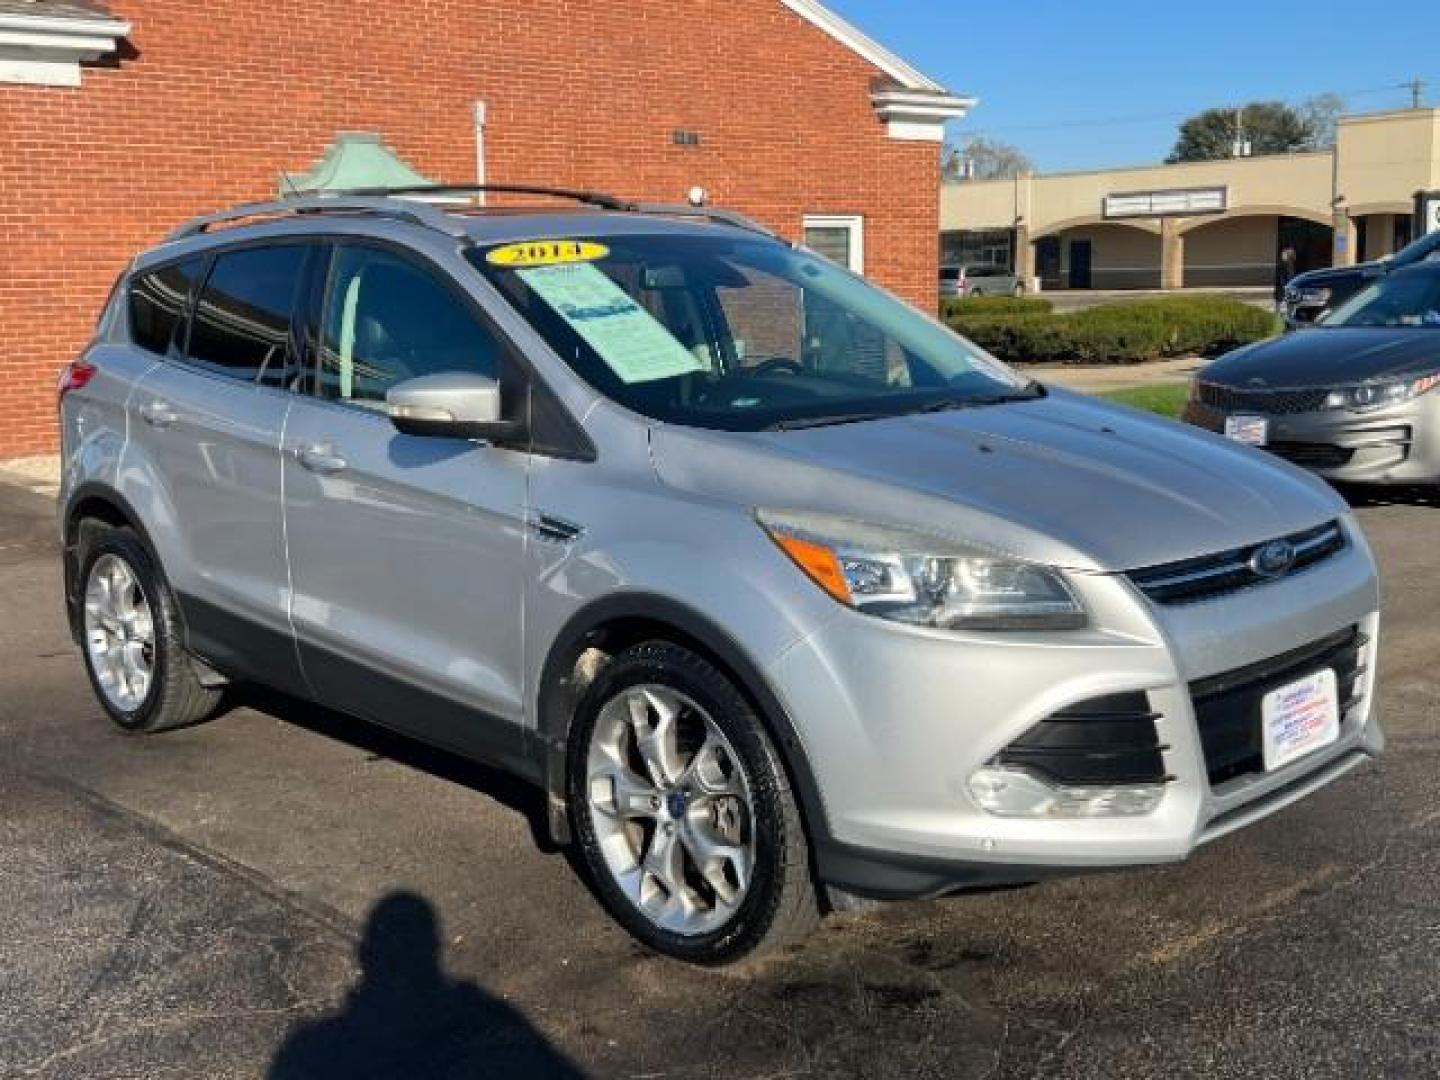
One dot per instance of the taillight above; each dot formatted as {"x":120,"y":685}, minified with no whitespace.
{"x":75,"y":375}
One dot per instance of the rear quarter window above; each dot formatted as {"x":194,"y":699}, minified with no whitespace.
{"x":158,"y":301}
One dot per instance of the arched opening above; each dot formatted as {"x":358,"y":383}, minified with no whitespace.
{"x":1098,"y":254}
{"x":1243,"y":250}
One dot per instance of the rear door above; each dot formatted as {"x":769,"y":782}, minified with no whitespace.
{"x":406,"y":553}
{"x":207,"y":424}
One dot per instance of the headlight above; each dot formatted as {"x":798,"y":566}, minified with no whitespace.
{"x":912,"y":577}
{"x":1373,"y":396}
{"x":1312,"y":297}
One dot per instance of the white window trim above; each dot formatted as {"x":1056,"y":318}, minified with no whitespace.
{"x":40,"y":50}
{"x":853,"y":223}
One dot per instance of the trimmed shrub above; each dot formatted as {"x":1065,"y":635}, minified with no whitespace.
{"x":978,"y":306}
{"x":1125,"y":332}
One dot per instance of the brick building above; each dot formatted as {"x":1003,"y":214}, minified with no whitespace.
{"x":118,"y":120}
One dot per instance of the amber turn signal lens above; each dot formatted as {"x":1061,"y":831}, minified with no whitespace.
{"x":819,"y":562}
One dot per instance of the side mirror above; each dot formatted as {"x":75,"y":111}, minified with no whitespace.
{"x":455,"y":405}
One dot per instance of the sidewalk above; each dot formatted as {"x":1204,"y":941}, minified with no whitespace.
{"x":1099,"y":378}
{"x":40,"y":474}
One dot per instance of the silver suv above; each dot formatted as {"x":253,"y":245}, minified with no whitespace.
{"x":781,"y":593}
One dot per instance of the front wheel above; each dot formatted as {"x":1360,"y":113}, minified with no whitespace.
{"x":683,"y":811}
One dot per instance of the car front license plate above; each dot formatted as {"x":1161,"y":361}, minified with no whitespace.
{"x":1300,"y":718}
{"x":1250,"y":430}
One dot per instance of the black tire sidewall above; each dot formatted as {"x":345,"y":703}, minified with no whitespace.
{"x":124,"y":545}
{"x":675,"y":667}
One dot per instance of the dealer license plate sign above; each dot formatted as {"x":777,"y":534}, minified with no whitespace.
{"x":1300,"y":718}
{"x":1250,"y":430}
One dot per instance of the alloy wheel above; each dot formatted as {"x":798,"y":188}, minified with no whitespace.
{"x":119,"y":633}
{"x":671,"y":806}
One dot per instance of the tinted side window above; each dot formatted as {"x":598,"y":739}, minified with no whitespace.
{"x":241,"y":325}
{"x":157,"y":305}
{"x":386,"y":320}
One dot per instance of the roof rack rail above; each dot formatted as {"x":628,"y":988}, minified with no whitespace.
{"x":407,"y":204}
{"x":709,"y":213}
{"x":592,"y":198}
{"x":418,"y":213}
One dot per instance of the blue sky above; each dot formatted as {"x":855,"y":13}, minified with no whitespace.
{"x":1090,"y":83}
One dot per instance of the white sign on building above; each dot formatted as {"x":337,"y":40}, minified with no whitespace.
{"x":1168,"y":203}
{"x":1430,"y":213}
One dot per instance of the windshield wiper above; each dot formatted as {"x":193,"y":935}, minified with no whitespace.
{"x":1033,"y":392}
{"x":803,"y":422}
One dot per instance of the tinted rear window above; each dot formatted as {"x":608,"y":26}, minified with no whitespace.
{"x":242,"y":320}
{"x":157,"y":305}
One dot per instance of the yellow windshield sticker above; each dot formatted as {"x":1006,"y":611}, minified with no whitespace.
{"x":547,"y":253}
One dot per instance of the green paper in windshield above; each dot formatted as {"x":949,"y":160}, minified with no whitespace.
{"x":634,"y":344}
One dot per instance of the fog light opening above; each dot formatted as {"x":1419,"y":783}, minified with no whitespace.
{"x":1010,"y":792}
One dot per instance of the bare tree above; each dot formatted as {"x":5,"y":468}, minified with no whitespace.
{"x":979,"y":158}
{"x":1321,"y":113}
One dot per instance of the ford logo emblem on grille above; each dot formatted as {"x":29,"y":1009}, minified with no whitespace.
{"x":1273,"y":559}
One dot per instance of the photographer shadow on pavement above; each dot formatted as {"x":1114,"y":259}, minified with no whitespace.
{"x":407,"y":1018}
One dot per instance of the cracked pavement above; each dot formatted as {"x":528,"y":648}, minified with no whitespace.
{"x":285,"y":892}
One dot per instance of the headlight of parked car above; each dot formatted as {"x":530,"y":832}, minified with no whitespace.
{"x":1377,"y":395}
{"x":913,"y":577}
{"x":1315,"y":297}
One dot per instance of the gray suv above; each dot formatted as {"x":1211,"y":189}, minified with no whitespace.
{"x":782,"y":594}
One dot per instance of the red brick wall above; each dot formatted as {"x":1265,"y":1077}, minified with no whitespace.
{"x":212,"y":106}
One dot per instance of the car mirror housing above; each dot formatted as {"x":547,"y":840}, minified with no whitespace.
{"x":456,"y":405}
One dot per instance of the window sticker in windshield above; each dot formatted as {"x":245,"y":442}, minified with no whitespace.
{"x":547,"y":253}
{"x":631,"y":341}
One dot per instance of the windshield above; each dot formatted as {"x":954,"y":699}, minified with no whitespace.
{"x":1400,"y":300}
{"x":738,"y":333}
{"x":1425,"y":249}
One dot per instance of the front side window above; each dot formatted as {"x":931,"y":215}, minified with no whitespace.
{"x":157,"y":306}
{"x":387,"y":319}
{"x":738,"y":334}
{"x":241,"y":326}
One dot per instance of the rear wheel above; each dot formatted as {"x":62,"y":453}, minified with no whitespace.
{"x":684,"y":813}
{"x":134,"y":652}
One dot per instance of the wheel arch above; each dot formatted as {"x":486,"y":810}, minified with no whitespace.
{"x":614,"y":623}
{"x":94,"y":501}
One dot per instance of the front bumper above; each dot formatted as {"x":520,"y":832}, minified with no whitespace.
{"x":1395,"y":445}
{"x":894,"y":720}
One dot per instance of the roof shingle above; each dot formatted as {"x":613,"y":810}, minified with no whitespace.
{"x":56,"y":9}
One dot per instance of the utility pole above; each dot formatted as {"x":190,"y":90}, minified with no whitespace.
{"x":1416,"y":86}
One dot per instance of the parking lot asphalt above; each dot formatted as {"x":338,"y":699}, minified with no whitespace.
{"x":286,"y":892}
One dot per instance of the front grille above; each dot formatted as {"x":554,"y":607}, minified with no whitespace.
{"x":1265,"y":402}
{"x":1215,"y":575}
{"x":1105,"y":740}
{"x":1312,"y":455}
{"x":1228,"y":706}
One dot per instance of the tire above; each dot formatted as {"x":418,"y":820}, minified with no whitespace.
{"x":753,"y":819}
{"x":115,"y":562}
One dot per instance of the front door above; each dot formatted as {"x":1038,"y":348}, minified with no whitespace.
{"x":406,"y":553}
{"x":1080,"y":257}
{"x":210,"y":420}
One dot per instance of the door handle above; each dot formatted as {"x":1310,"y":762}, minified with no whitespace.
{"x":158,"y":413}
{"x":320,"y":458}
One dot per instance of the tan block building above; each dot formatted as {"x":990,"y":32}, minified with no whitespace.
{"x":1213,"y":224}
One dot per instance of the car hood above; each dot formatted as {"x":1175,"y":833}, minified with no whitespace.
{"x":1317,"y":279}
{"x":1328,"y":356}
{"x":1064,"y":480}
